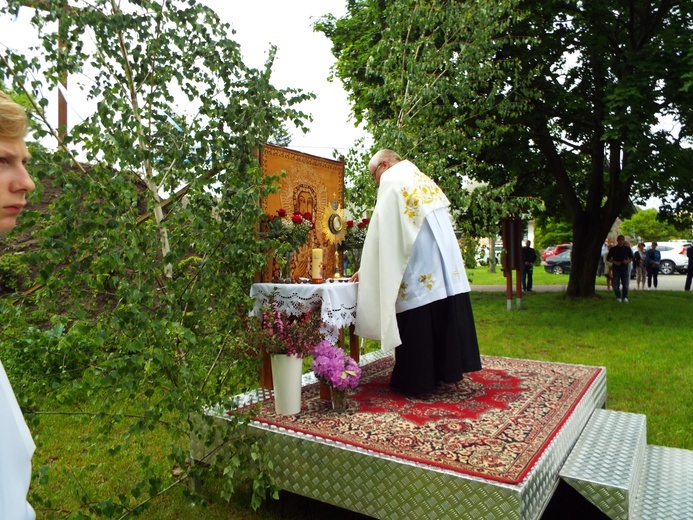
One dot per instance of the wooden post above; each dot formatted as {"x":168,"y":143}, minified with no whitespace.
{"x":266,"y":381}
{"x":354,"y":350}
{"x":511,"y":229}
{"x":62,"y":102}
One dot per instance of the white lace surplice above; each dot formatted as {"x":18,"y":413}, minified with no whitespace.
{"x":405,"y":198}
{"x":436,"y":269}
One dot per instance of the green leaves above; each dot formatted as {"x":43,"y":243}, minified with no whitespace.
{"x":486,"y":206}
{"x":647,"y":226}
{"x":147,"y":244}
{"x":581,"y":104}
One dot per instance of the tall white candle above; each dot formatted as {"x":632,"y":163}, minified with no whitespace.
{"x":316,"y":265}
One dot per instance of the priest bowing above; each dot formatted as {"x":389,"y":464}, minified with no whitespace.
{"x":413,"y":289}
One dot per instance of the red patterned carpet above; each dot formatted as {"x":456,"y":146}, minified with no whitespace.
{"x":494,"y":424}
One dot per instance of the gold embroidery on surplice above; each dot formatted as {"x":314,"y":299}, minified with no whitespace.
{"x":427,"y":281}
{"x":402,"y":291}
{"x":425,"y":192}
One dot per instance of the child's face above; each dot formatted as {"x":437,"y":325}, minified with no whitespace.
{"x":15,"y":182}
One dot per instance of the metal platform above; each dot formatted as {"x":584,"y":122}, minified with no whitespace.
{"x":665,"y":490}
{"x":613,"y":467}
{"x":387,"y":487}
{"x":606,"y":461}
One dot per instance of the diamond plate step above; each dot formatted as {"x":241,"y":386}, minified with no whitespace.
{"x":666,"y":488}
{"x":606,"y":463}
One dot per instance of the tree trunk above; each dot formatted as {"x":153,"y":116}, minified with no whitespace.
{"x":492,"y":255}
{"x":589,"y":233}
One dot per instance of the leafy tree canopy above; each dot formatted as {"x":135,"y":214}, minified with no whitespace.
{"x":145,"y":258}
{"x":647,"y":226}
{"x":551,"y":231}
{"x":402,"y":68}
{"x":566,"y":98}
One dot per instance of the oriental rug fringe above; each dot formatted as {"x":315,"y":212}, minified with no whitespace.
{"x":493,"y":424}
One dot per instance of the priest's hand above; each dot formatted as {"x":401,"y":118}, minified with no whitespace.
{"x":354,"y":277}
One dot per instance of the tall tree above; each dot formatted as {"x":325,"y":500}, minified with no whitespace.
{"x":566,"y":97}
{"x":646,"y":226}
{"x":146,"y":256}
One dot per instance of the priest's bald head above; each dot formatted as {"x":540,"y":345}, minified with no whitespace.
{"x":382,"y":161}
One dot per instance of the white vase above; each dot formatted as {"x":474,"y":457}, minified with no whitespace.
{"x":286,"y":376}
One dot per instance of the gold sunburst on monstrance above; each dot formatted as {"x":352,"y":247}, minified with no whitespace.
{"x":334,"y":224}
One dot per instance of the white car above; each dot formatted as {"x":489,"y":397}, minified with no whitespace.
{"x":673,"y":256}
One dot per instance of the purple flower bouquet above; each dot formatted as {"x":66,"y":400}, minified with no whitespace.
{"x":334,"y":368}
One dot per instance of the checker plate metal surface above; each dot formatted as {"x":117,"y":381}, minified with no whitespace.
{"x":666,"y":489}
{"x":383,"y":486}
{"x":540,"y":483}
{"x":607,"y":460}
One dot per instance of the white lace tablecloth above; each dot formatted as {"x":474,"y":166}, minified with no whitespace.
{"x":336,"y":300}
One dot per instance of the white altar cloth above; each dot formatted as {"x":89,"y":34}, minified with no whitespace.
{"x":336,"y":300}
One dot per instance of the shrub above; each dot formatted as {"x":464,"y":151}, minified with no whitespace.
{"x":13,"y":272}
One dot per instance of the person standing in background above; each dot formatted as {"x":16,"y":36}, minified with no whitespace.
{"x":16,"y":444}
{"x":652,"y":259}
{"x":602,"y":259}
{"x":607,"y":269}
{"x":529,"y":256}
{"x":620,"y":257}
{"x":639,"y":266}
{"x":689,"y":276}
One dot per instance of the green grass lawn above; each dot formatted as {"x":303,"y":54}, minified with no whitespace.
{"x":481,"y":276}
{"x":645,"y":347}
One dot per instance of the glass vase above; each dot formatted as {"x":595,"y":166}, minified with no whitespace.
{"x":339,"y":399}
{"x":286,"y":269}
{"x":355,"y":259}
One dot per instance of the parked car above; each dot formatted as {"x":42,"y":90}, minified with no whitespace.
{"x":558,"y":264}
{"x":673,"y":254}
{"x":547,"y":252}
{"x":555,"y":250}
